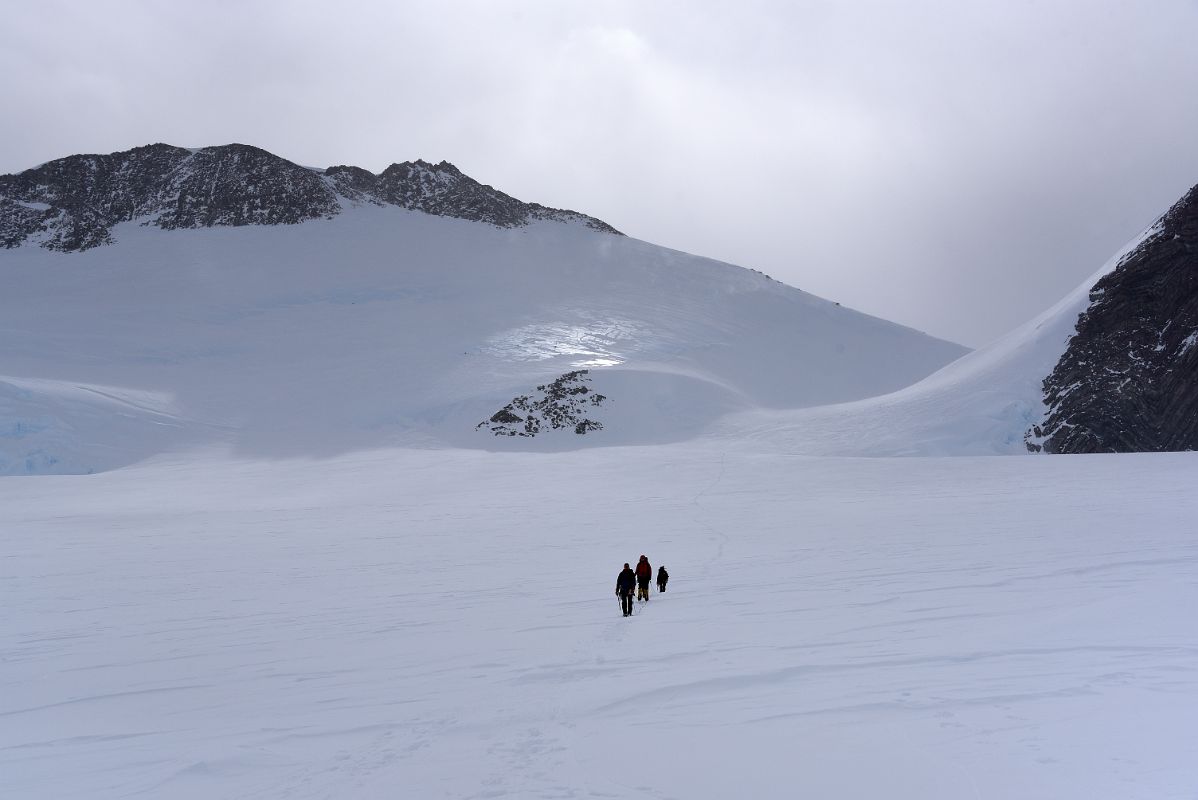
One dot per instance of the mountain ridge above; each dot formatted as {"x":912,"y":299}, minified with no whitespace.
{"x":73,"y":203}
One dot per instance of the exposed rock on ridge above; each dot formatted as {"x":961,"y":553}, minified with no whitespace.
{"x":562,"y":405}
{"x":1128,"y":380}
{"x":73,"y":203}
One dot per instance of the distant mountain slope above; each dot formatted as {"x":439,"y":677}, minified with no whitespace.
{"x":1112,"y":367}
{"x":381,"y":325}
{"x":73,"y":203}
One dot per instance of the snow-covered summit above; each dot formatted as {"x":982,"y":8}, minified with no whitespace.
{"x":73,"y":203}
{"x":383,"y":326}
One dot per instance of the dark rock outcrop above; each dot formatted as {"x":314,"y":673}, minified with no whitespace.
{"x":85,"y":196}
{"x":73,"y":203}
{"x":560,"y":405}
{"x":1128,"y":380}
{"x":241,"y":185}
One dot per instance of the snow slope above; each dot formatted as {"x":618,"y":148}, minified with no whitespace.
{"x":383,"y":326}
{"x":980,"y":404}
{"x":440,"y":624}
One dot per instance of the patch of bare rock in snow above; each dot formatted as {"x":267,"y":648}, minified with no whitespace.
{"x":559,"y":405}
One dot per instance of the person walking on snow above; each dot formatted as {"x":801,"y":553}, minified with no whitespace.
{"x":625,"y":582}
{"x":662,"y":577}
{"x":644,"y":574}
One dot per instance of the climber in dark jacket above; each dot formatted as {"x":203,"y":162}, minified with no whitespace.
{"x":644,"y":574}
{"x":662,"y":577}
{"x":625,"y":584}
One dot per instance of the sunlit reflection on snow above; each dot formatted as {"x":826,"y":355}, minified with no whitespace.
{"x":601,"y":343}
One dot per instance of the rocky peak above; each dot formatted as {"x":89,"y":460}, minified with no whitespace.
{"x":73,"y":203}
{"x":1128,"y":380}
{"x":79,"y":198}
{"x":442,"y":189}
{"x":241,"y":185}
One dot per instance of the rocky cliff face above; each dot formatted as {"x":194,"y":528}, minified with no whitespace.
{"x":1128,"y":380}
{"x":73,"y":203}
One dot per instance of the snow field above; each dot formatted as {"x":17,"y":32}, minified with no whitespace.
{"x":390,"y":327}
{"x":442,"y":624}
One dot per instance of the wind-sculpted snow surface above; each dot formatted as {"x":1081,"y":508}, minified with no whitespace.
{"x":383,"y":326}
{"x":442,"y":624}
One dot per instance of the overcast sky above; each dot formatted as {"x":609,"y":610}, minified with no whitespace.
{"x":953,"y":166}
